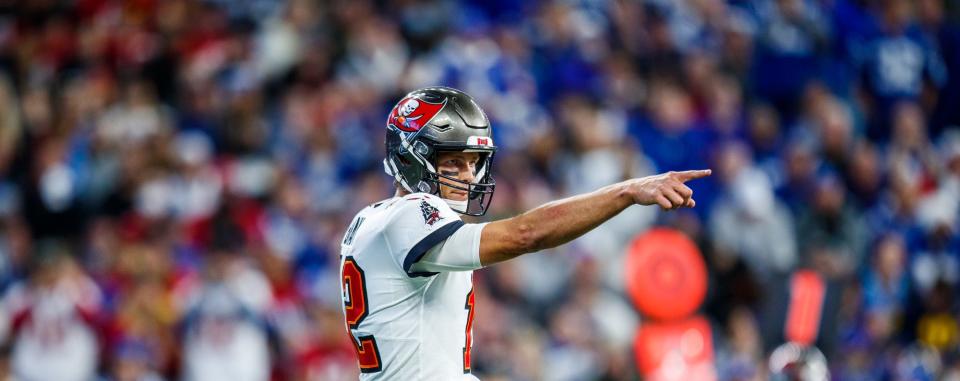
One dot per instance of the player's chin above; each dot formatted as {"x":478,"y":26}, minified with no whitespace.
{"x":453,"y":194}
{"x":457,"y":196}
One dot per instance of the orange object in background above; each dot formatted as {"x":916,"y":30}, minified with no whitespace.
{"x":678,"y":350}
{"x":806,"y":304}
{"x":665,"y":274}
{"x":667,"y":280}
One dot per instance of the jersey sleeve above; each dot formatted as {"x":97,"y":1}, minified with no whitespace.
{"x":419,"y":223}
{"x":459,"y":252}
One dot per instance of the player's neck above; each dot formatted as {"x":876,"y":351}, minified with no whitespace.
{"x":400,"y":192}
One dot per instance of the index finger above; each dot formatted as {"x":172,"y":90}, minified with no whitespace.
{"x":692,"y":175}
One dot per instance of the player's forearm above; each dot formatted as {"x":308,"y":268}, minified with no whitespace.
{"x":555,"y":223}
{"x":560,"y":221}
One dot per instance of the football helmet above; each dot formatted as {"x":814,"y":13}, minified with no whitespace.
{"x":436,"y":119}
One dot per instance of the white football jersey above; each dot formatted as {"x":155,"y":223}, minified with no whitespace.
{"x":51,"y":330}
{"x":407,"y":324}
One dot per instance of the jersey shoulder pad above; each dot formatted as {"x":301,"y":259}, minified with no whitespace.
{"x":418,"y":222}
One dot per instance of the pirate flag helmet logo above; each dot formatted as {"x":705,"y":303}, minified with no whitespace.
{"x":413,"y":113}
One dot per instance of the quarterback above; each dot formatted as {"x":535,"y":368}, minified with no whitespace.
{"x":407,"y":262}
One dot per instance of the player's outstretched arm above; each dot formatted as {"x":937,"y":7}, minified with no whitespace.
{"x":559,"y":222}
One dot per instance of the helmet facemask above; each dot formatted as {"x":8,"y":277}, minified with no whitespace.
{"x":479,"y":193}
{"x":414,"y":168}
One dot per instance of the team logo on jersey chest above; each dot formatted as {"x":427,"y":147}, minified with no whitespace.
{"x":430,"y":214}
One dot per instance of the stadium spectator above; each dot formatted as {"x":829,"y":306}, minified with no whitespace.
{"x":53,"y":319}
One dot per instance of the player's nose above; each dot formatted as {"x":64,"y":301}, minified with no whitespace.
{"x":466,"y":173}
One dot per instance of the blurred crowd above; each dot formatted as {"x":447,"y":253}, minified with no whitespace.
{"x":176,"y":175}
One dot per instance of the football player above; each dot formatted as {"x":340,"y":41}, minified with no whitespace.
{"x":407,"y":262}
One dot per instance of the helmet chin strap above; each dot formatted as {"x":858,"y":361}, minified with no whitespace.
{"x":457,"y":206}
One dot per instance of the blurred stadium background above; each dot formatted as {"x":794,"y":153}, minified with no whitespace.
{"x":177,"y":174}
